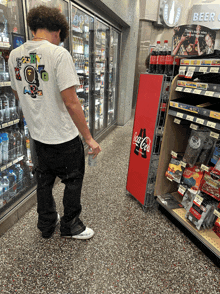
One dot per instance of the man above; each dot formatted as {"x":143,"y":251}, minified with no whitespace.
{"x":43,"y":78}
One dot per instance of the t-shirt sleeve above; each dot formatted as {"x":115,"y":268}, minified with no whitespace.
{"x":66,"y":74}
{"x":11,"y":72}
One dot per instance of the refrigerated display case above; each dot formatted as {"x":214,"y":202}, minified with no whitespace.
{"x":95,"y":49}
{"x":16,"y":177}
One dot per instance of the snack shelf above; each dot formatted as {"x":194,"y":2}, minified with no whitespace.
{"x":193,"y":119}
{"x":207,"y":237}
{"x":205,"y":89}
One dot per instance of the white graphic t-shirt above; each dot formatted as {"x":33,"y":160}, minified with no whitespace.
{"x":39,"y":71}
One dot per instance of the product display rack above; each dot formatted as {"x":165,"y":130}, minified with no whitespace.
{"x":189,"y":108}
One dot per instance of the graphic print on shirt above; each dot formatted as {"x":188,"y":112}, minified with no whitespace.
{"x":32,"y":72}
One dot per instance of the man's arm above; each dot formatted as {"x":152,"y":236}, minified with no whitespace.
{"x":74,"y":108}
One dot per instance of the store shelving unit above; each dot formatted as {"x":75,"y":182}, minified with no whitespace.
{"x":192,"y":104}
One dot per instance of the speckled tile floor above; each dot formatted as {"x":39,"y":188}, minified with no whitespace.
{"x":132,"y":251}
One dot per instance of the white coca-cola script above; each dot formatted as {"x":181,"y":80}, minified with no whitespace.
{"x":143,"y":142}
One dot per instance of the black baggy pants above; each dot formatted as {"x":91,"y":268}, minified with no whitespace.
{"x":66,"y":161}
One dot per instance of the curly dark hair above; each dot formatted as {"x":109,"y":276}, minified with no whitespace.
{"x":51,"y":19}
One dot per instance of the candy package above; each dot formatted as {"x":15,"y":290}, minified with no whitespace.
{"x":192,"y":177}
{"x":211,"y":184}
{"x":175,"y":170}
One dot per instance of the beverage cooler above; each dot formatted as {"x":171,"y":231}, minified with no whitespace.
{"x":16,"y":178}
{"x":95,"y":49}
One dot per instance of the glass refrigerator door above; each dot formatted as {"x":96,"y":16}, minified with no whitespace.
{"x":81,"y":26}
{"x":16,"y":178}
{"x":113,"y":68}
{"x":101,"y":43}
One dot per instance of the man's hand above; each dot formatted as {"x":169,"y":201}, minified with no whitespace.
{"x":95,"y":147}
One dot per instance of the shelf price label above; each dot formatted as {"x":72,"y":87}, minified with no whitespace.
{"x":177,"y":121}
{"x":217,"y":213}
{"x":205,"y":168}
{"x":190,"y":117}
{"x":211,"y":124}
{"x":181,"y":190}
{"x":182,"y":70}
{"x":203,"y":69}
{"x":179,"y":114}
{"x":198,"y":200}
{"x":214,"y":69}
{"x":182,"y":163}
{"x":200,"y":121}
{"x":194,"y":127}
{"x":179,"y":89}
{"x":209,"y":93}
{"x":196,"y":91}
{"x":214,"y":135}
{"x":187,"y":90}
{"x":174,"y":154}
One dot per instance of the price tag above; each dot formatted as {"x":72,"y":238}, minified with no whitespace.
{"x":200,"y":121}
{"x":203,"y":69}
{"x":214,"y":69}
{"x":3,"y":167}
{"x":198,"y":199}
{"x":211,"y":124}
{"x":177,"y":121}
{"x":196,"y":91}
{"x":182,"y":163}
{"x":7,"y":83}
{"x":15,"y":161}
{"x":214,"y":135}
{"x":2,"y":84}
{"x":10,"y":123}
{"x":209,"y":93}
{"x":191,"y":68}
{"x":179,"y":114}
{"x":194,"y":127}
{"x":1,"y":44}
{"x":189,"y":117}
{"x":217,"y":213}
{"x":179,"y":89}
{"x":20,"y":158}
{"x":181,"y":190}
{"x":16,"y":121}
{"x":174,"y":154}
{"x":205,"y":168}
{"x":187,"y":90}
{"x":9,"y":164}
{"x":4,"y":125}
{"x":189,"y":74}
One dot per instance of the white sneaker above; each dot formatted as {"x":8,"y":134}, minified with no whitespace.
{"x":86,"y":234}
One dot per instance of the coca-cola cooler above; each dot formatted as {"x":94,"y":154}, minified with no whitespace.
{"x":153,"y":95}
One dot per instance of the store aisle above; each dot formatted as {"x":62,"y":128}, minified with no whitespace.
{"x":131,"y":252}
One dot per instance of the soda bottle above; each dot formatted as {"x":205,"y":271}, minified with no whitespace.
{"x":4,"y":148}
{"x":19,"y":141}
{"x":169,"y":63}
{"x":160,"y":65}
{"x":12,"y":183}
{"x":153,"y":58}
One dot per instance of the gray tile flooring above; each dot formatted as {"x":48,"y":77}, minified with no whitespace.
{"x":132,"y":251}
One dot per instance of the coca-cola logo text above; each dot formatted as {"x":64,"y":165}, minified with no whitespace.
{"x":142,"y":143}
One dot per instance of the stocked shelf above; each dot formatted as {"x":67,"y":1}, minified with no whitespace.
{"x":207,"y":237}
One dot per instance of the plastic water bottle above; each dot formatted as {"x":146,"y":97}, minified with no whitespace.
{"x":5,"y":107}
{"x":11,"y":146}
{"x":5,"y":188}
{"x":12,"y":183}
{"x":20,"y":175}
{"x":1,"y":194}
{"x":92,"y":161}
{"x":2,"y":67}
{"x":5,"y":144}
{"x":1,"y":111}
{"x":19,"y":141}
{"x":12,"y":106}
